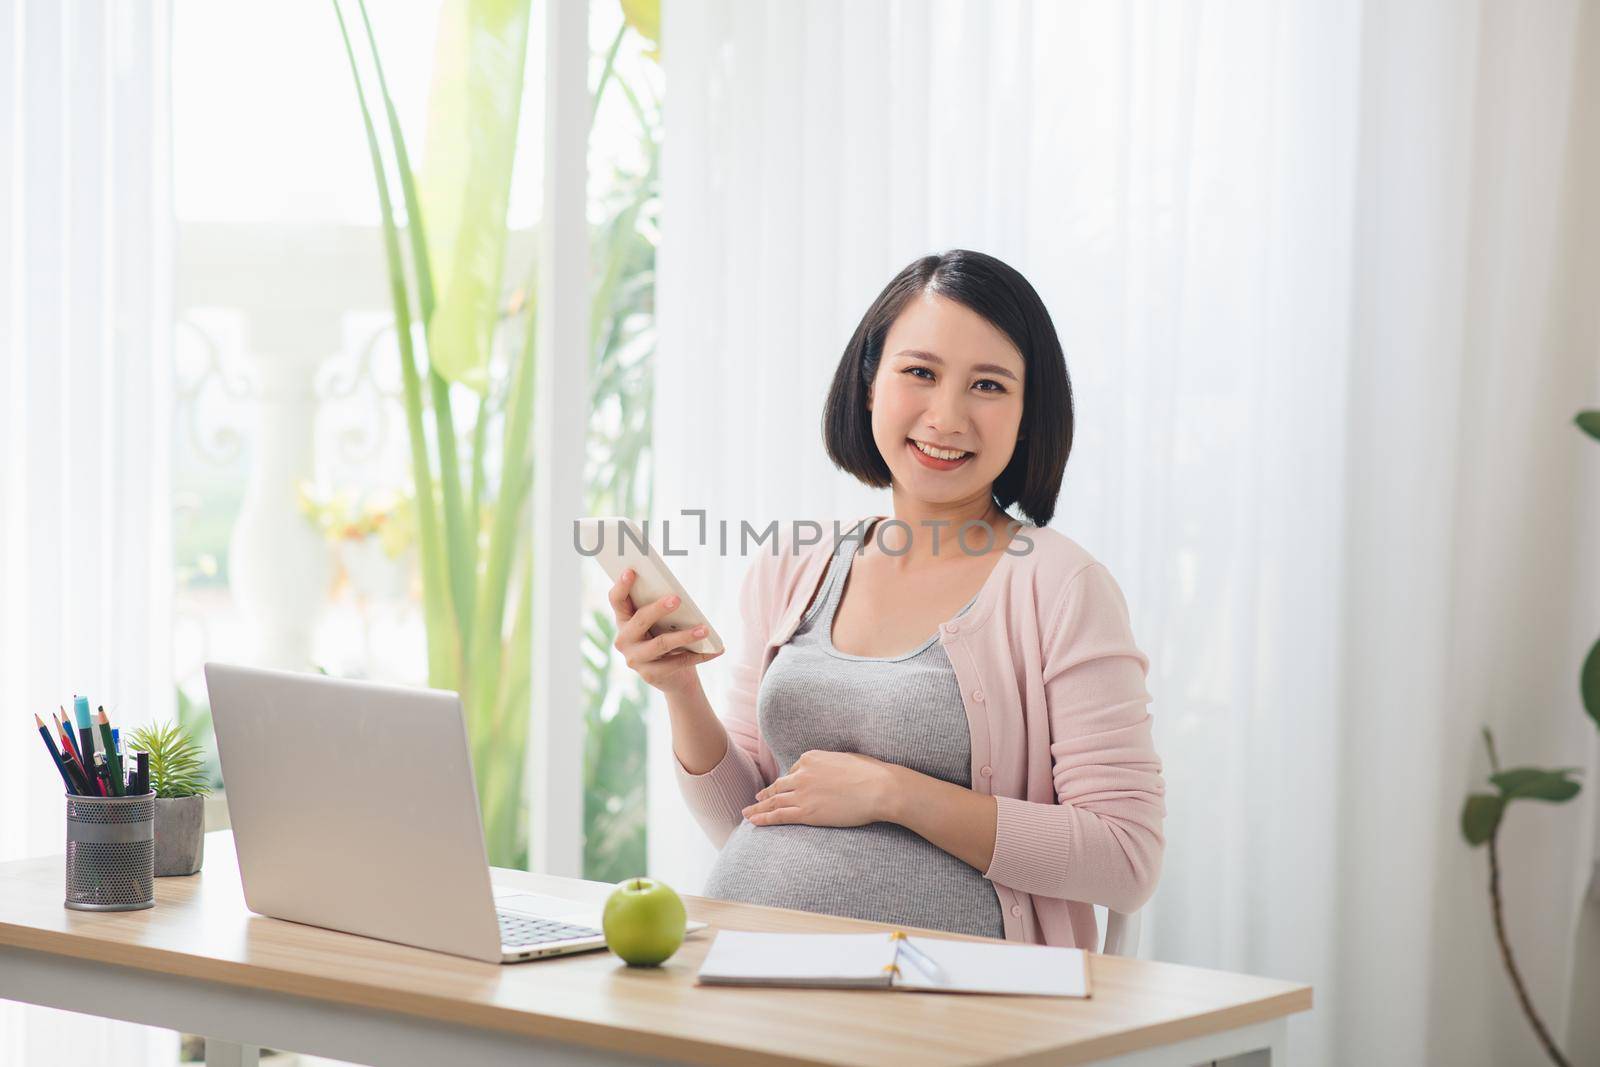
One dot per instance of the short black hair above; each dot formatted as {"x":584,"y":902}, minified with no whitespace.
{"x":1032,"y":480}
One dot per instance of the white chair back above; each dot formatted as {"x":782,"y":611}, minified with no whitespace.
{"x":1122,"y":934}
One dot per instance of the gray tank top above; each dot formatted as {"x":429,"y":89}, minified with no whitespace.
{"x":903,"y":709}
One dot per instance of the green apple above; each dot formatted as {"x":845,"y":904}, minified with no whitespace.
{"x":644,"y":921}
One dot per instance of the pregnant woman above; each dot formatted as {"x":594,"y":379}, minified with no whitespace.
{"x":936,"y":718}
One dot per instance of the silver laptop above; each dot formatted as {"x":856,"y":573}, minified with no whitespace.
{"x":353,"y":808}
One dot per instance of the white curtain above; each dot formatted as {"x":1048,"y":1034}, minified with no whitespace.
{"x":85,"y":571}
{"x":1325,"y":274}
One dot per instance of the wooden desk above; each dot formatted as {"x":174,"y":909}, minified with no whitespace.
{"x":201,"y":963}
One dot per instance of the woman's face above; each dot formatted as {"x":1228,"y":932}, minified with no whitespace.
{"x":950,"y":380}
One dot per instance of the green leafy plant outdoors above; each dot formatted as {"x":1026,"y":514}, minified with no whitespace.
{"x":445,"y":246}
{"x":473,"y":536}
{"x":1483,"y":814}
{"x":177,"y":764}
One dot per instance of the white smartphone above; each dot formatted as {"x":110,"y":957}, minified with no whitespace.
{"x":623,"y":544}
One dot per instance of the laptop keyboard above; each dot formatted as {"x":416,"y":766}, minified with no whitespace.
{"x":519,"y":930}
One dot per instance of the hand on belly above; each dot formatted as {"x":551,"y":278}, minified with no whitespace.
{"x":827,"y":789}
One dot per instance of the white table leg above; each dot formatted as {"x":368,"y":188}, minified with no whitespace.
{"x":231,"y":1054}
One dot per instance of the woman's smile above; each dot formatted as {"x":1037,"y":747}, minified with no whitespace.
{"x":920,"y":450}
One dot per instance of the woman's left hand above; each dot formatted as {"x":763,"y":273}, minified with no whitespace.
{"x":827,"y":789}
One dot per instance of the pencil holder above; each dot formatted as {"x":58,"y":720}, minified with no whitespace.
{"x":111,"y":853}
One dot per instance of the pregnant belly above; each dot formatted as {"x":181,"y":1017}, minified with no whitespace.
{"x":879,"y":871}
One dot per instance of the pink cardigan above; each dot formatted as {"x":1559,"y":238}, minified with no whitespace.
{"x":1054,"y":689}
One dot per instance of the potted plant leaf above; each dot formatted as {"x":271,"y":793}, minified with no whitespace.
{"x":178,"y":776}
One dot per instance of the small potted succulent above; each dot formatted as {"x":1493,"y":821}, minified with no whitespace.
{"x":177,"y":774}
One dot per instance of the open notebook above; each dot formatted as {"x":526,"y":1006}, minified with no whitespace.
{"x":894,"y":961}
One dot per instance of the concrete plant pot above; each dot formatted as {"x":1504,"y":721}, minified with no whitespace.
{"x":180,"y":835}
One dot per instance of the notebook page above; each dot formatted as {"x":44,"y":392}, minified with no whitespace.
{"x":738,"y":957}
{"x":976,"y":967}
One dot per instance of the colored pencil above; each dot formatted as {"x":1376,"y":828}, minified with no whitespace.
{"x":69,"y":755}
{"x":68,"y":746}
{"x":113,"y":761}
{"x":82,"y":770}
{"x":55,"y":755}
{"x":62,"y":730}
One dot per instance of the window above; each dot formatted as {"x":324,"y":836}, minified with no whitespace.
{"x":295,"y":525}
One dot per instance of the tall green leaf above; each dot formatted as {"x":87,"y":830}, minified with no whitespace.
{"x":500,"y":713}
{"x":474,"y":107}
{"x":461,"y":543}
{"x":443,"y":661}
{"x":516,"y":474}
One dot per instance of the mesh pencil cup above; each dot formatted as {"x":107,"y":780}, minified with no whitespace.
{"x":111,"y":853}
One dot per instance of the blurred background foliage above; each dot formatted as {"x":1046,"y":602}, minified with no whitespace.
{"x":459,"y":416}
{"x":617,"y":467}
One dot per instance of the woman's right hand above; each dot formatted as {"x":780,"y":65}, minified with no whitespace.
{"x":662,"y":661}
